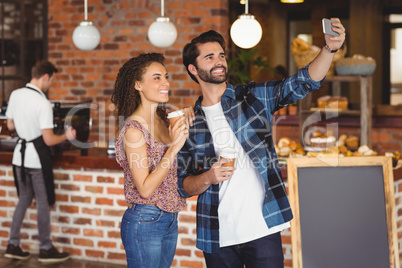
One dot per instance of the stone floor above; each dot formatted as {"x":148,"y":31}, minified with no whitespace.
{"x":71,"y":263}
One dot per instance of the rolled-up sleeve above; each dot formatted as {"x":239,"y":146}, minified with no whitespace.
{"x":278,"y":94}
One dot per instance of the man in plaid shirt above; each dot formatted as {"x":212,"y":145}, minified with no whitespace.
{"x":241,"y":210}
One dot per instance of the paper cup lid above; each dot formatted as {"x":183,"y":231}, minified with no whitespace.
{"x":228,"y":153}
{"x":175,"y":114}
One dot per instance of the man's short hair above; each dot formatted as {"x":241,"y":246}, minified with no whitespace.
{"x":43,"y":67}
{"x":191,"y":52}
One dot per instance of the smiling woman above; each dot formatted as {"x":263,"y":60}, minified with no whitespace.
{"x":154,"y":86}
{"x":146,"y":149}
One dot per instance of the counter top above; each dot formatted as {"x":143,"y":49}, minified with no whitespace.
{"x":97,"y":158}
{"x":94,"y":158}
{"x":349,"y":121}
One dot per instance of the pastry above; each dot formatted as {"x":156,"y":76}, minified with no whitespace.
{"x":283,"y":142}
{"x":293,"y":145}
{"x":300,"y":151}
{"x":363,"y":149}
{"x":316,"y":134}
{"x":332,"y":102}
{"x":322,"y":142}
{"x":284,"y":151}
{"x":341,"y":140}
{"x":352,"y":141}
{"x":343,"y":149}
{"x":342,"y":137}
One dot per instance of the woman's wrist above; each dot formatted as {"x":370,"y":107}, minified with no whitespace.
{"x":174,"y":150}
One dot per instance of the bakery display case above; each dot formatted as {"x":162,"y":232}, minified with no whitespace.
{"x":328,"y":110}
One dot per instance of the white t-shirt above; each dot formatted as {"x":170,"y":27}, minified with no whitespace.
{"x":242,"y":196}
{"x":31,"y":112}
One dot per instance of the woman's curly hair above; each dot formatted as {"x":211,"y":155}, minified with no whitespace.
{"x":125,"y":96}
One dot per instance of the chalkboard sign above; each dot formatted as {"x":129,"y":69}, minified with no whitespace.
{"x":344,"y":212}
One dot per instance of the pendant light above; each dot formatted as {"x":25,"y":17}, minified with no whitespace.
{"x":162,"y":33}
{"x":292,"y":1}
{"x":86,"y":36}
{"x":246,"y":32}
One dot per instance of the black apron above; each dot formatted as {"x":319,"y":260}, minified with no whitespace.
{"x":45,"y":159}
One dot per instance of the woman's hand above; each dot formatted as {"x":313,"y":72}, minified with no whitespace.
{"x":189,"y":114}
{"x":178,"y":134}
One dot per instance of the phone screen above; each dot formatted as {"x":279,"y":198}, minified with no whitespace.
{"x":327,"y":27}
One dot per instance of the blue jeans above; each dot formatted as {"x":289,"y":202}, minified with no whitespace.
{"x":265,"y":252}
{"x":149,"y":236}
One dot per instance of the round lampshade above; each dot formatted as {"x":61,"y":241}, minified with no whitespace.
{"x":162,"y":33}
{"x":246,"y":32}
{"x":86,"y":36}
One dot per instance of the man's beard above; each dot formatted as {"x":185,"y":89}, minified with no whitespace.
{"x":206,"y":76}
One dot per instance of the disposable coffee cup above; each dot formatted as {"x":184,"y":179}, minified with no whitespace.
{"x":173,"y":117}
{"x":230,"y":155}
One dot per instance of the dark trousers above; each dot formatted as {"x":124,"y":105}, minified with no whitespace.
{"x":265,"y":252}
{"x":34,"y":186}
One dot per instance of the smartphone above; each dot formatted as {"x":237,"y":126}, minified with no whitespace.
{"x":327,"y":27}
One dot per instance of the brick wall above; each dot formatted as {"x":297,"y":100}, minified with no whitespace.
{"x":85,"y":219}
{"x":87,"y":215}
{"x":123,"y":24}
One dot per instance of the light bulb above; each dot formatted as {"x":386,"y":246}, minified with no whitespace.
{"x":246,"y":32}
{"x":292,"y":1}
{"x":162,"y":33}
{"x":86,"y":36}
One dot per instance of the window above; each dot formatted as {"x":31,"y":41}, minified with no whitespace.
{"x":396,"y":59}
{"x":23,"y":33}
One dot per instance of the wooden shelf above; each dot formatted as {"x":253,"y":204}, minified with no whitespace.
{"x":306,"y":118}
{"x":327,"y":111}
{"x":349,"y":78}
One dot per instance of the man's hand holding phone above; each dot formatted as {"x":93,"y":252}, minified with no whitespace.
{"x":334,"y":34}
{"x":327,"y":27}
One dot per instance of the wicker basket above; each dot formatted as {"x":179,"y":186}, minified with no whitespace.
{"x":303,"y":54}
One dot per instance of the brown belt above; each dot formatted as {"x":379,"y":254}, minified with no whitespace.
{"x":130,"y":205}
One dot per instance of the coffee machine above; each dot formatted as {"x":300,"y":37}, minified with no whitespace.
{"x":65,"y":113}
{"x":75,"y":114}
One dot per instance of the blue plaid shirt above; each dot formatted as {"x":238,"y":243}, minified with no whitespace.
{"x":248,"y":110}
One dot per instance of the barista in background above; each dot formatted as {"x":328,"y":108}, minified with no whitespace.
{"x":30,"y":114}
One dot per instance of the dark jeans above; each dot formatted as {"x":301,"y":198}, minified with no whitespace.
{"x":265,"y":252}
{"x":34,"y":186}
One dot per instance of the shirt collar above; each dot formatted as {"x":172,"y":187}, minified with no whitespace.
{"x":33,"y":86}
{"x":229,"y":93}
{"x":36,"y":88}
